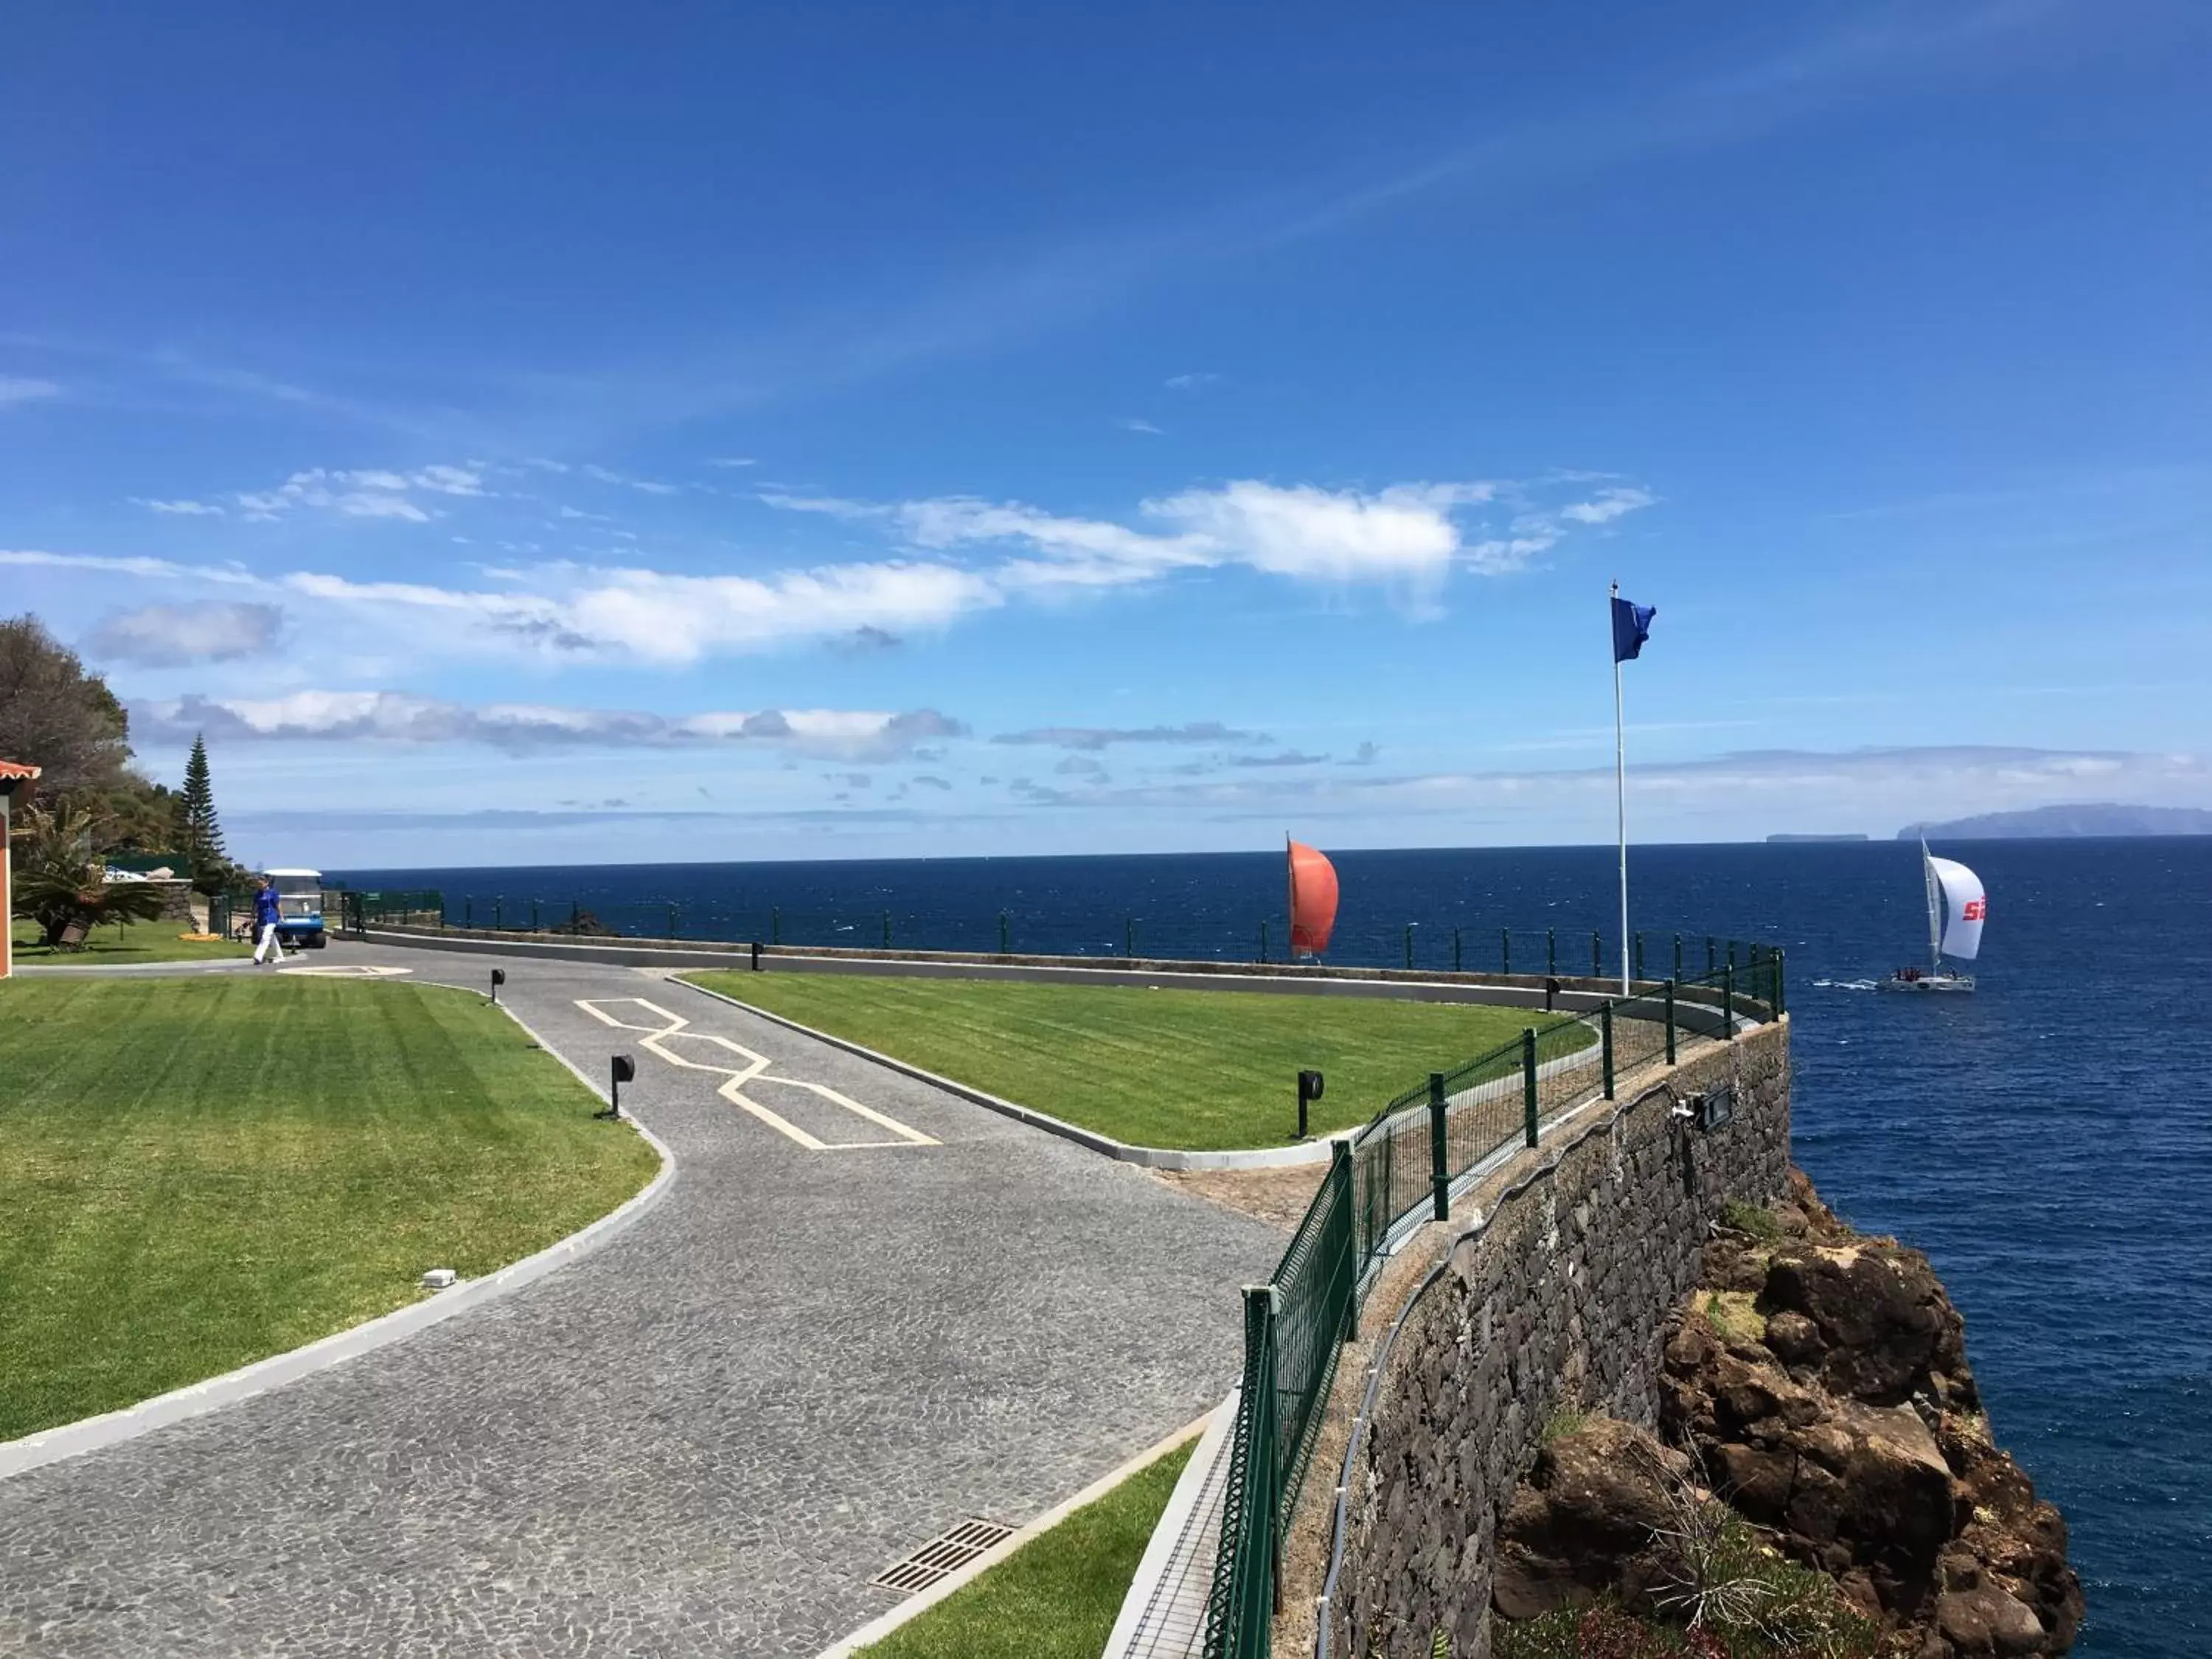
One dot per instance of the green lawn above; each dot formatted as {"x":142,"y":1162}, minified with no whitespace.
{"x":133,"y":941}
{"x":199,"y":1173}
{"x":1057,"y":1596}
{"x":1202,"y":1070}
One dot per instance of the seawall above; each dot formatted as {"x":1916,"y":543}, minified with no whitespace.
{"x":1557,"y":1300}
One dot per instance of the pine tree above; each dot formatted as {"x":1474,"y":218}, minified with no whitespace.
{"x":201,"y":835}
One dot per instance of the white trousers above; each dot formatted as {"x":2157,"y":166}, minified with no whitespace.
{"x":269,"y":942}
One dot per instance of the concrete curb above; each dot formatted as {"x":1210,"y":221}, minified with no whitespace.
{"x":213,"y":1393}
{"x":1150,"y":1157}
{"x":876,"y":1629}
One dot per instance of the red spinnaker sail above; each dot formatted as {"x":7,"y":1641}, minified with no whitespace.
{"x":1313,"y":899}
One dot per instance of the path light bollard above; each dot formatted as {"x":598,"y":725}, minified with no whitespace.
{"x":1605,"y":1034}
{"x":1551,"y":994}
{"x":1551,"y":950}
{"x":498,"y":979}
{"x":1529,"y":1084}
{"x":1309,"y":1088}
{"x":620,"y":1071}
{"x":1670,"y":1022}
{"x":1439,"y":1156}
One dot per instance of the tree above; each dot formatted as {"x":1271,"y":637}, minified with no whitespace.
{"x":200,"y":834}
{"x":60,"y":879}
{"x":56,"y":716}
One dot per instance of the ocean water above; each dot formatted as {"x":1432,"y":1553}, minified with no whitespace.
{"x":2047,"y":1140}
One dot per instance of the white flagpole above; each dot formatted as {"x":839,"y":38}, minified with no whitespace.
{"x":1620,"y":794}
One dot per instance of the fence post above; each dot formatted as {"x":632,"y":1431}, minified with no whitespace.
{"x":1778,"y":1010}
{"x":1670,"y":1021}
{"x":1456,"y":967}
{"x":1731,"y":959}
{"x":1528,"y":1083}
{"x":533,"y":915}
{"x":1506,"y":950}
{"x":1597,"y":954}
{"x":1129,"y":938}
{"x":887,"y":930}
{"x":1678,"y":956}
{"x":575,"y":913}
{"x":1339,"y":1173}
{"x":1003,"y":950}
{"x":672,"y":919}
{"x":468,"y":910}
{"x":1409,"y":944}
{"x":1605,"y":1032}
{"x":1728,"y":1003}
{"x":1439,"y":1158}
{"x":1263,"y":940}
{"x":1639,"y":953}
{"x":1713,"y":956}
{"x":1260,"y":1471}
{"x":498,"y":916}
{"x":774,"y":925}
{"x":1551,"y":950}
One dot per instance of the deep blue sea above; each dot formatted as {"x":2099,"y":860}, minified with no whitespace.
{"x":2047,"y":1140}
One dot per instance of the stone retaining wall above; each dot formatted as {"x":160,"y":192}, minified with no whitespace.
{"x":1557,"y":1300}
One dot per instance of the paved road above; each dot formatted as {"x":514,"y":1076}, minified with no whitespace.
{"x":706,"y":1437}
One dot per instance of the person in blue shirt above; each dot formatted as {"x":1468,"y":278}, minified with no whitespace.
{"x":264,"y":921}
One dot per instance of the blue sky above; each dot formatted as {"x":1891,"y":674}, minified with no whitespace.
{"x":713,"y":432}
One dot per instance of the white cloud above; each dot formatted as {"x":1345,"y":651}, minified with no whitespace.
{"x":608,"y":474}
{"x":19,"y":388}
{"x":1191,"y":382}
{"x":171,"y":636}
{"x":1134,"y":425}
{"x":180,"y":508}
{"x":362,"y":493}
{"x":732,"y":461}
{"x":1608,"y":505}
{"x":401,"y":717}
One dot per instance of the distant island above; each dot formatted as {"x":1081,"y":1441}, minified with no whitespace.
{"x":1784,"y":838}
{"x":2101,"y":819}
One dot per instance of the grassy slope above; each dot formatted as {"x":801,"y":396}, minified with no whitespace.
{"x":200,"y":1173}
{"x":134,"y":941}
{"x":1055,"y":1598}
{"x":1196,"y":1069}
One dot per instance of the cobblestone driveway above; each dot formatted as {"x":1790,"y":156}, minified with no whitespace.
{"x":706,"y":1437}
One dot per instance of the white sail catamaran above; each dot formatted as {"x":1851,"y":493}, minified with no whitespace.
{"x":1949,"y":882}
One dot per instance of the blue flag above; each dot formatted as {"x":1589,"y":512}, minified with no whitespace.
{"x":1632,"y":626}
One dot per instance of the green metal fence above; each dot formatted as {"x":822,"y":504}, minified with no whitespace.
{"x":1403,"y":1166}
{"x":423,"y":908}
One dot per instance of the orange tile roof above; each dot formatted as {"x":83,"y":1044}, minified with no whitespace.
{"x":17,"y":769}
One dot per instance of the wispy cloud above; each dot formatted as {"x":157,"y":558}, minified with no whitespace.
{"x":646,"y":486}
{"x":732,"y":461}
{"x":1132,"y":424}
{"x":401,"y":718}
{"x":362,"y":493}
{"x":180,"y":508}
{"x":1100,"y":737}
{"x":172,"y":636}
{"x":1197,"y":382}
{"x":21,"y":389}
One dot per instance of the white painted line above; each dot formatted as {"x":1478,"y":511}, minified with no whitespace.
{"x":213,"y":1393}
{"x":673,"y":1029}
{"x":877,"y":1628}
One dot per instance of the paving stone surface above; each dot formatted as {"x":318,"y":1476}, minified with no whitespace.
{"x":705,"y":1437}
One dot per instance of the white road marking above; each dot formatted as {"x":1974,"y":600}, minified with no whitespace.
{"x":351,"y":970}
{"x":673,"y":1029}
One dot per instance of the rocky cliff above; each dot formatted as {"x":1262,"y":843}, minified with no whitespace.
{"x":1822,"y":1459}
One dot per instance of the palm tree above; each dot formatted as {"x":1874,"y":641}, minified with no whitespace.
{"x":61,"y":880}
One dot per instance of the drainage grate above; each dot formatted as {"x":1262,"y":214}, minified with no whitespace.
{"x":943,"y":1555}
